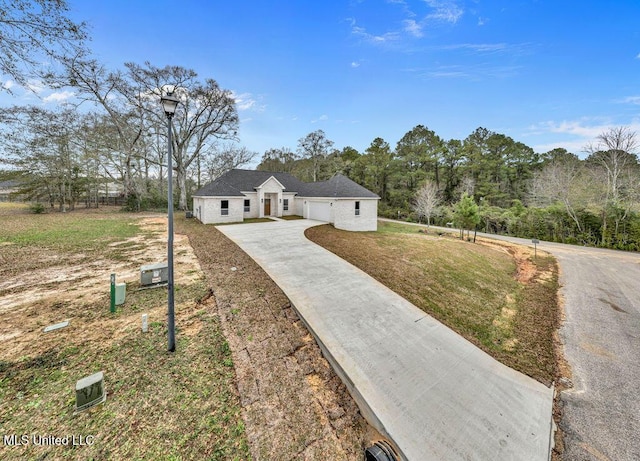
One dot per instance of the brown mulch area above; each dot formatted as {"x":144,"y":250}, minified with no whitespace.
{"x":294,"y":406}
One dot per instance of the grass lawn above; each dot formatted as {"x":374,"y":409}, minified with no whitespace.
{"x":493,"y":295}
{"x":160,"y":406}
{"x":291,"y":218}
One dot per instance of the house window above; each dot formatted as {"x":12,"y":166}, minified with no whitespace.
{"x":357,"y":208}
{"x":224,"y":207}
{"x":247,"y":205}
{"x":285,"y":204}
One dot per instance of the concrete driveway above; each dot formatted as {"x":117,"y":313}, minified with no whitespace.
{"x":601,"y":336}
{"x":432,"y":393}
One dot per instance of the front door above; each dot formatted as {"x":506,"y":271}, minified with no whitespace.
{"x":267,"y":207}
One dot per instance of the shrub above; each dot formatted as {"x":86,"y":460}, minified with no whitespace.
{"x":37,"y":208}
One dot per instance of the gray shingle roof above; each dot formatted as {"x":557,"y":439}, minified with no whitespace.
{"x":337,"y":187}
{"x":234,"y":182}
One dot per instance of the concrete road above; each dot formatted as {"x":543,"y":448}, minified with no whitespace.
{"x":432,"y":393}
{"x":601,"y":335}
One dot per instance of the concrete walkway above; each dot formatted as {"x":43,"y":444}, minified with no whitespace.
{"x":432,"y":393}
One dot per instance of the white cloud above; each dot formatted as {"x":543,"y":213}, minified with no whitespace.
{"x":36,"y":86}
{"x":471,"y":72}
{"x":445,"y":11}
{"x":355,"y":64}
{"x":631,"y":100}
{"x":447,"y":74}
{"x":413,"y":28}
{"x":440,"y":11}
{"x":245,"y":101}
{"x":8,"y":84}
{"x":578,"y":133}
{"x":638,"y":56}
{"x":60,"y":96}
{"x":322,"y":118}
{"x":362,"y":33}
{"x":479,"y":47}
{"x":576,"y":128}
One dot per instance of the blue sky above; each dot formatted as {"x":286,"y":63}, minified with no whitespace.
{"x":547,"y":73}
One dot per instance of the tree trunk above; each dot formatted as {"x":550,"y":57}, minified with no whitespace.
{"x":181,"y":177}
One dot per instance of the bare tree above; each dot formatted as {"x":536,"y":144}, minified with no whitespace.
{"x":561,"y":180}
{"x":112,"y":92}
{"x":45,"y":148}
{"x":227,"y":158}
{"x":315,"y":146}
{"x":32,"y":31}
{"x":615,"y":156}
{"x":615,"y":150}
{"x":426,"y":200}
{"x":278,"y":160}
{"x":467,"y":185}
{"x":205,"y":115}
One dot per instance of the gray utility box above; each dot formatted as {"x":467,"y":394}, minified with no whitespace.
{"x":90,"y":391}
{"x":153,"y":274}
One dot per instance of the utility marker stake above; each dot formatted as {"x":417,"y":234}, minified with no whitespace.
{"x":113,"y":293}
{"x":145,"y":323}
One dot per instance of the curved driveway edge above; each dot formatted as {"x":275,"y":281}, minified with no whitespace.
{"x":433,"y":393}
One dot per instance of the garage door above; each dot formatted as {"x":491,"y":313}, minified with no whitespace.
{"x":320,"y":211}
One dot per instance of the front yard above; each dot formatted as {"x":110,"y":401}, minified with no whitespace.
{"x":160,"y":406}
{"x":494,"y":294}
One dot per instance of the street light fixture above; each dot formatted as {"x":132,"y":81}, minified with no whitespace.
{"x":169,"y":104}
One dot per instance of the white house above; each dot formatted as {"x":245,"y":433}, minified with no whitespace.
{"x":241,"y":194}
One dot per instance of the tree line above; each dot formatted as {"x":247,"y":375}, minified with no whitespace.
{"x":120,"y":140}
{"x":114,"y":135}
{"x":489,"y":182}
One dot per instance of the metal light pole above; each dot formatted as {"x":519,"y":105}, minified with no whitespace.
{"x":169,"y":103}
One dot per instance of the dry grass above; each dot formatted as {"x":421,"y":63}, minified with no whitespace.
{"x":159,"y":405}
{"x":294,"y":406}
{"x":493,"y":295}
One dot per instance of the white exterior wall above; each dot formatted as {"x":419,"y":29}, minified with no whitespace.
{"x":344,"y":215}
{"x":207,"y":209}
{"x":254,"y":205}
{"x":299,"y":206}
{"x":292,"y":205}
{"x":273,"y":190}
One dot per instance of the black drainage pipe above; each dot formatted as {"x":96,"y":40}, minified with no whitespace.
{"x":380,"y":451}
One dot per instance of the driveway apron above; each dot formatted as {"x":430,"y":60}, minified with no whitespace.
{"x":435,"y":395}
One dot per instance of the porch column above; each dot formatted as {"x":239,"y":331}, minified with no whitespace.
{"x":280,"y":205}
{"x":260,"y":203}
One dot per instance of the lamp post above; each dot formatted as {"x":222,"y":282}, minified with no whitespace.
{"x":169,"y":104}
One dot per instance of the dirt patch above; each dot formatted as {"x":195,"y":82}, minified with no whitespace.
{"x":160,"y":405}
{"x":64,"y":285}
{"x":294,"y":406}
{"x":526,"y":269}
